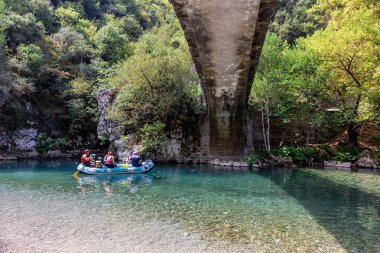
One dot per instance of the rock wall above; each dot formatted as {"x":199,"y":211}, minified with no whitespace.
{"x":225,"y":40}
{"x":106,"y":127}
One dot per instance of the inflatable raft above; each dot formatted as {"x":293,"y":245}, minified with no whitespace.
{"x":119,"y":169}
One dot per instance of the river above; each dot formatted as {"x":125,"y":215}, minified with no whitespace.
{"x":187,"y":208}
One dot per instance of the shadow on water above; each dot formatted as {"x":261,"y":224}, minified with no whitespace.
{"x":349,"y":214}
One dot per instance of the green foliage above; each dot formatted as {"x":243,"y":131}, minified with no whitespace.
{"x":112,"y":43}
{"x":2,"y":12}
{"x":54,"y":55}
{"x":31,"y":55}
{"x":348,"y":47}
{"x":44,"y":143}
{"x":22,"y":30}
{"x":53,"y":65}
{"x":301,"y":154}
{"x":345,"y":157}
{"x":255,"y":157}
{"x":292,"y":20}
{"x":68,"y":17}
{"x":82,"y":109}
{"x":153,"y":137}
{"x":102,"y":139}
{"x":71,"y":46}
{"x":156,"y":83}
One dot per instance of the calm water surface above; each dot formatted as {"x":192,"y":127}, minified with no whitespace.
{"x":304,"y":210}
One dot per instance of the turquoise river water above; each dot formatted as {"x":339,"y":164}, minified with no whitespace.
{"x":187,"y":208}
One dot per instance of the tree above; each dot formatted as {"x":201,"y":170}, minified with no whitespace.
{"x":349,"y":49}
{"x":71,"y":46}
{"x":266,"y":91}
{"x":82,"y":108}
{"x":292,"y":20}
{"x":112,"y":42}
{"x":68,"y":17}
{"x":306,"y":81}
{"x":155,"y":84}
{"x":22,"y":30}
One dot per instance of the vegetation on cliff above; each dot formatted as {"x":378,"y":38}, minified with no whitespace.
{"x":329,"y":79}
{"x":320,"y":65}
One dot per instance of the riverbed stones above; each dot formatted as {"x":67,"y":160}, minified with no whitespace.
{"x":225,"y":40}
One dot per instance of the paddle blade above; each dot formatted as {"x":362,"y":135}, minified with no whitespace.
{"x":76,"y":174}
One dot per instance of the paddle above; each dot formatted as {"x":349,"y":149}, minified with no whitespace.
{"x":76,"y":173}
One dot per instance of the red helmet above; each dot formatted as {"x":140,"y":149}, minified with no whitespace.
{"x":109,"y":152}
{"x":135,"y":153}
{"x":87,"y":151}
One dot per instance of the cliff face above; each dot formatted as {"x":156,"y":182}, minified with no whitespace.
{"x":106,"y":127}
{"x":225,"y":40}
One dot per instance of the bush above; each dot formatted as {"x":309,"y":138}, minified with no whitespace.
{"x":44,"y":143}
{"x":256,"y":157}
{"x":345,"y":157}
{"x":153,"y":137}
{"x":300,"y":154}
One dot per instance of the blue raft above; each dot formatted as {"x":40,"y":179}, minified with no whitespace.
{"x":119,"y":169}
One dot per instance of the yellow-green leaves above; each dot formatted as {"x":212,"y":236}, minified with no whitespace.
{"x":349,"y":47}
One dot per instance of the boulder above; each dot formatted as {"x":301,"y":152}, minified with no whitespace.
{"x":366,"y":161}
{"x":122,"y":150}
{"x":337,"y":164}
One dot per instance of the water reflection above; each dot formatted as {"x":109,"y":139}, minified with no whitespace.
{"x":350,"y":214}
{"x":107,"y":183}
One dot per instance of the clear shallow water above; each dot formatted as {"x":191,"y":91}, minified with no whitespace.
{"x":188,"y":208}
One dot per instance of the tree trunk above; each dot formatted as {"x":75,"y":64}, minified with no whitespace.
{"x":352,"y":134}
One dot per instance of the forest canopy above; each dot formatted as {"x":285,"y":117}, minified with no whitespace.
{"x":319,"y":56}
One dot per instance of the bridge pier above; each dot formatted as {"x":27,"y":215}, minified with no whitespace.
{"x":225,"y":40}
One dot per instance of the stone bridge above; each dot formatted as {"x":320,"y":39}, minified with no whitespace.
{"x":225,"y":39}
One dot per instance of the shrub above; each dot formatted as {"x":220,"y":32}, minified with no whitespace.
{"x":256,"y":157}
{"x":345,"y":157}
{"x":44,"y":143}
{"x":300,"y":154}
{"x":153,"y":137}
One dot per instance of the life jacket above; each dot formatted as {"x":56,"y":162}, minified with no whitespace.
{"x":109,"y":159}
{"x":83,"y":159}
{"x":136,"y":160}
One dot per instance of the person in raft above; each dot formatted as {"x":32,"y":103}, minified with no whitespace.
{"x":85,"y":158}
{"x":109,"y":160}
{"x":136,"y":159}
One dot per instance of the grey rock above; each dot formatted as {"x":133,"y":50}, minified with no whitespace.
{"x":365,"y":160}
{"x":7,"y":157}
{"x":337,"y":164}
{"x":5,"y":141}
{"x":106,"y":127}
{"x":25,"y":139}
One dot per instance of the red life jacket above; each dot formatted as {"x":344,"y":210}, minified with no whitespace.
{"x":83,"y":158}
